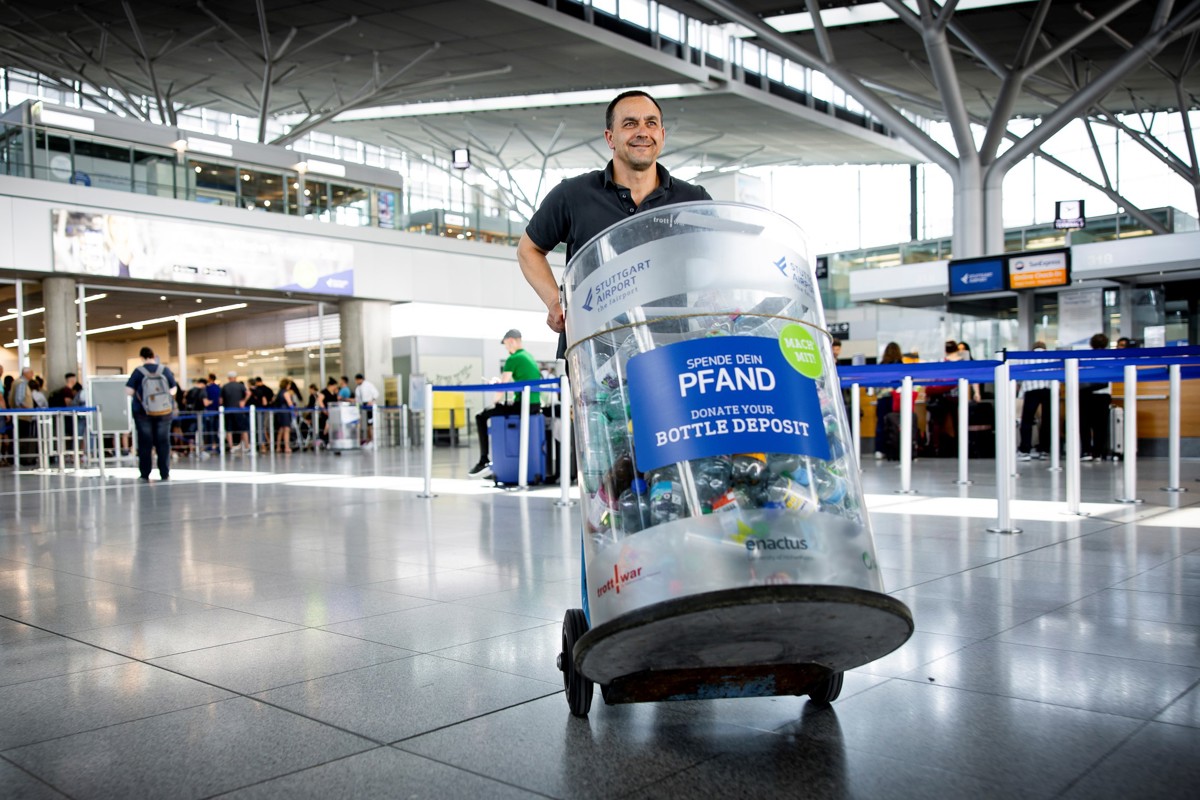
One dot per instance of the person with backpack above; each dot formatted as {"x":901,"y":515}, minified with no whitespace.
{"x":152,"y":387}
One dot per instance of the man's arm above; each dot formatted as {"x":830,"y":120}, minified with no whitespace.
{"x":536,"y":269}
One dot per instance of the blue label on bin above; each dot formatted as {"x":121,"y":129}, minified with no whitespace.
{"x":726,"y":394}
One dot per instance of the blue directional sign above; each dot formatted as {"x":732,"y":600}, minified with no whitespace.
{"x":977,"y":275}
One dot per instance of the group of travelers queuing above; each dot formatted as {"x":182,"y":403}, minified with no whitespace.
{"x":300,"y":420}
{"x":27,"y":392}
{"x":941,"y":404}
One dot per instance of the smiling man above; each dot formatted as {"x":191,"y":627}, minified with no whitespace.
{"x":581,"y":207}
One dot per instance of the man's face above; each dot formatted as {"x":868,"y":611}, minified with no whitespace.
{"x":512,"y":345}
{"x":637,"y":134}
{"x":358,"y":381}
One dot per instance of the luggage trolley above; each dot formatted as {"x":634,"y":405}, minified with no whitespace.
{"x":726,"y":551}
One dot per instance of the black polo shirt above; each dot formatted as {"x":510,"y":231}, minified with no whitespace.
{"x":581,"y":207}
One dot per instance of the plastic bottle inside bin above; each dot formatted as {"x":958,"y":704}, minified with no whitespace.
{"x":666,"y":502}
{"x":616,"y":407}
{"x":635,"y":507}
{"x":601,"y":508}
{"x":748,"y":469}
{"x":712,"y":477}
{"x":784,"y":492}
{"x":783,"y":464}
{"x":831,"y":487}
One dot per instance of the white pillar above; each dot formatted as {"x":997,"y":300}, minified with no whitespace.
{"x":22,"y":347}
{"x":81,"y":341}
{"x":1174,"y":432}
{"x":181,"y":326}
{"x":1129,"y":461}
{"x":321,"y":339}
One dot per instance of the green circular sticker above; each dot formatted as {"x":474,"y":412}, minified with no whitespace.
{"x":800,"y":349}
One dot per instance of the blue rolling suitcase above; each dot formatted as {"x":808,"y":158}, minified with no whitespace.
{"x":505,"y":433}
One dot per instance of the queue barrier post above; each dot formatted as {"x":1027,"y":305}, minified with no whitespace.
{"x":253,"y":437}
{"x":964,"y":428}
{"x":1003,"y":454}
{"x":1129,"y":461}
{"x":523,"y":447}
{"x":906,"y":435}
{"x":427,"y":443}
{"x":1174,"y":431}
{"x":1071,"y":366}
{"x":856,"y":424}
{"x":1055,"y":442}
{"x":564,"y":453}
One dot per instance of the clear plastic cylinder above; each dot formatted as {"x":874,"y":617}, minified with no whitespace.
{"x":713,"y":443}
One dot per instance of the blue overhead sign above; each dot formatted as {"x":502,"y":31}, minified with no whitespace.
{"x":977,"y":275}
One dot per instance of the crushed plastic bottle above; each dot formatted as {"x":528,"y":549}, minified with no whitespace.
{"x":666,"y":502}
{"x":748,"y":469}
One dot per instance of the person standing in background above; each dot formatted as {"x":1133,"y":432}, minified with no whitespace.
{"x":365,"y":394}
{"x":153,"y":430}
{"x":1094,"y":399}
{"x":1036,"y":396}
{"x":233,"y":400}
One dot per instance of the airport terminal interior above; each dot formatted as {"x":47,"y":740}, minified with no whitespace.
{"x":957,"y":553}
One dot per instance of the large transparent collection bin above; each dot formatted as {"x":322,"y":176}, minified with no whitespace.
{"x":714,"y":449}
{"x":343,"y":426}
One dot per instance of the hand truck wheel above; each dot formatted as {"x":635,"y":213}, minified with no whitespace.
{"x":578,"y":688}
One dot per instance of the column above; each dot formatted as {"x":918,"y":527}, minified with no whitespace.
{"x":1025,"y":320}
{"x":366,"y":339}
{"x":58,"y":297}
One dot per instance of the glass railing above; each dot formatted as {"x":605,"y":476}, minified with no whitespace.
{"x":56,"y":156}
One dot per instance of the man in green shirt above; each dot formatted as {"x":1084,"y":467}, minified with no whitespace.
{"x":519,"y":366}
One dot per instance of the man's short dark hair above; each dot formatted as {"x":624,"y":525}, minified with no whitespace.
{"x":608,"y":113}
{"x":359,"y":377}
{"x":146,"y":352}
{"x":69,"y":375}
{"x":951,"y":346}
{"x":1099,"y":342}
{"x":331,"y":382}
{"x":836,"y":343}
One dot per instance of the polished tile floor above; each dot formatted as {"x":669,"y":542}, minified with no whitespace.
{"x":312,"y":628}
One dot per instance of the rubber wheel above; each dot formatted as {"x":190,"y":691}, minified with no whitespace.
{"x":578,"y":688}
{"x":828,"y":689}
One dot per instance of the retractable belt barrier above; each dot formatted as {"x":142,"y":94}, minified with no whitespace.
{"x":549,"y":385}
{"x":1069,"y":367}
{"x":50,"y":435}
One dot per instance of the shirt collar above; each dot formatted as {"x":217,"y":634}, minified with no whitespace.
{"x":664,"y":177}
